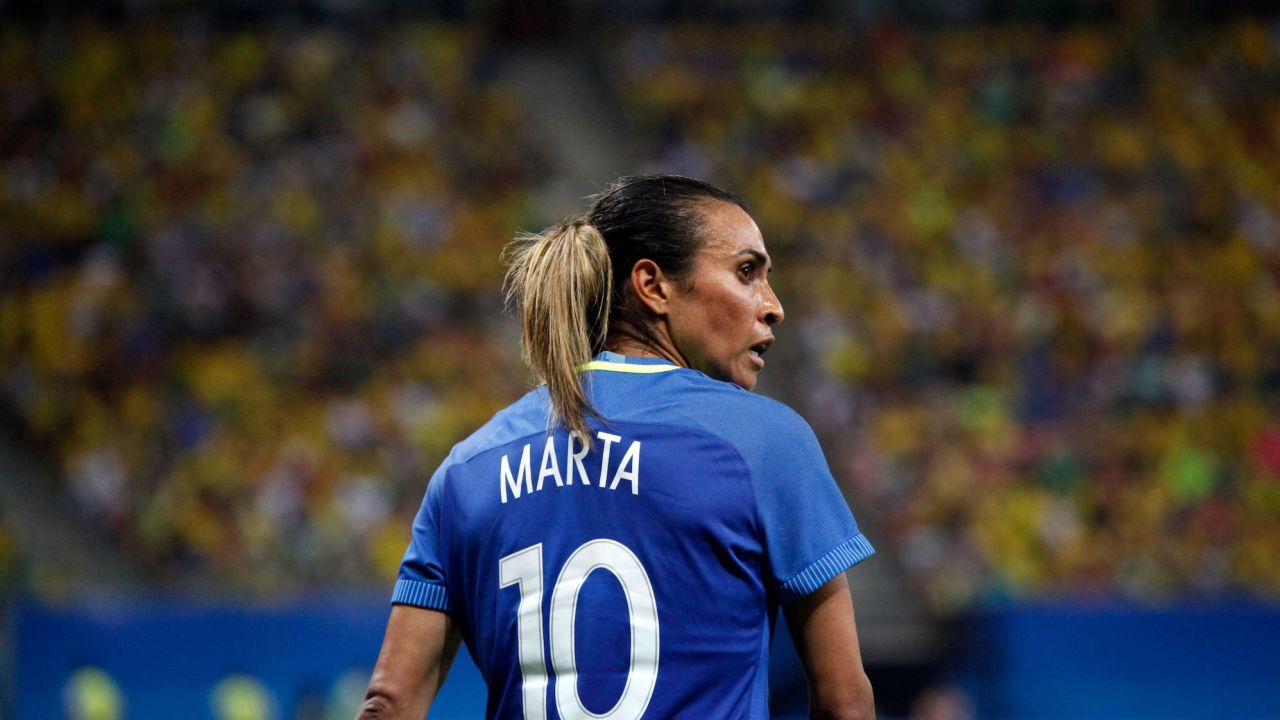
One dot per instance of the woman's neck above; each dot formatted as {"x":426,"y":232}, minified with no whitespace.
{"x":626,"y":340}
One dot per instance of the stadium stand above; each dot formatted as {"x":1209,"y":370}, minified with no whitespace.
{"x":250,"y":282}
{"x":1032,"y":276}
{"x":1035,"y":275}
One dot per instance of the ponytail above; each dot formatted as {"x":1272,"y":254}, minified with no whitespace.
{"x":561,"y":282}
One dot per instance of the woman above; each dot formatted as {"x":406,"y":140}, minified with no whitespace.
{"x":616,"y":543}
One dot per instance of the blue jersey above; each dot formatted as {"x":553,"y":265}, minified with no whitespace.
{"x":636,"y":575}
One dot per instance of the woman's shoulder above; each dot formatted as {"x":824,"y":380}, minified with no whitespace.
{"x":773,"y":440}
{"x":739,"y":415}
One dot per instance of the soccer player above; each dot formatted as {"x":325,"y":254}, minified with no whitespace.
{"x":616,"y":543}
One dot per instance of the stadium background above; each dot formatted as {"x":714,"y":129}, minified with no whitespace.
{"x":1030,"y":255}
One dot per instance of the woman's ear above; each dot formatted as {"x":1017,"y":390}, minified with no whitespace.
{"x":651,"y":286}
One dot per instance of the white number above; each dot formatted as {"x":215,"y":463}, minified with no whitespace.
{"x":524,"y":568}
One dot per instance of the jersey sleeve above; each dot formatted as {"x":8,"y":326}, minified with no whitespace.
{"x":422,"y":579}
{"x":810,"y":535}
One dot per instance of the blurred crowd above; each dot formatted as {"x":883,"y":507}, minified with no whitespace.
{"x":251,"y":282}
{"x":1035,"y":275}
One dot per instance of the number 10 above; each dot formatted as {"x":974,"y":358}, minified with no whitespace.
{"x":524,"y":569}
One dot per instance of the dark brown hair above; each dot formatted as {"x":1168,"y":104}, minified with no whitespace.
{"x":571,"y":281}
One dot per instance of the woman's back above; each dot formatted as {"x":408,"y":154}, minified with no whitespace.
{"x":616,"y":543}
{"x":640,"y":577}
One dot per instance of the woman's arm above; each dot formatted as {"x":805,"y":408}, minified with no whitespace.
{"x":826,"y":638}
{"x":417,"y":651}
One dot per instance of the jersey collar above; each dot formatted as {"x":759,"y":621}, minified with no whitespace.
{"x":614,"y":362}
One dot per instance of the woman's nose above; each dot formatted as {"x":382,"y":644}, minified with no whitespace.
{"x":771,"y":310}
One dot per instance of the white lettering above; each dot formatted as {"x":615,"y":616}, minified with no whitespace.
{"x":524,"y":478}
{"x":550,"y":466}
{"x":520,"y":482}
{"x":609,"y":440}
{"x":575,"y":458}
{"x":629,"y":469}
